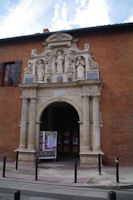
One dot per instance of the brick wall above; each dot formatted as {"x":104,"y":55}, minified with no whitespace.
{"x":10,"y":102}
{"x":114,"y":53}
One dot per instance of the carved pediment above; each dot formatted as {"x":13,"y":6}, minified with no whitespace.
{"x":61,"y":61}
{"x":58,"y":37}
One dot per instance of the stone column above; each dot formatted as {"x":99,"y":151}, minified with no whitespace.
{"x":32,"y":124}
{"x":23,"y":130}
{"x":96,"y":124}
{"x":86,"y":123}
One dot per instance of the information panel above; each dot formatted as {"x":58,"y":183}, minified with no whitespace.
{"x":48,"y":145}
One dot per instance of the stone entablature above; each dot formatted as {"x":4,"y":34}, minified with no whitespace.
{"x":61,"y":61}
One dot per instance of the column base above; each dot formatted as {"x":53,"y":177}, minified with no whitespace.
{"x":89,"y":158}
{"x":26,"y":156}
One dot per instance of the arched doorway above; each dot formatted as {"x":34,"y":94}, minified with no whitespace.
{"x":63,"y":118}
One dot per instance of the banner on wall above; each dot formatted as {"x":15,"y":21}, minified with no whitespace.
{"x":48,"y":145}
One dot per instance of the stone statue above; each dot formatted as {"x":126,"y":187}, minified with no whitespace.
{"x":40,"y":70}
{"x":80,"y":65}
{"x":59,"y":62}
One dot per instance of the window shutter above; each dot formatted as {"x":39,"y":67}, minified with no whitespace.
{"x":18,"y":64}
{"x":1,"y":66}
{"x":1,"y":73}
{"x":17,"y":73}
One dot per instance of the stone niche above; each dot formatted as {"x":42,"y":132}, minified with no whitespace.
{"x":61,"y":61}
{"x":61,"y":73}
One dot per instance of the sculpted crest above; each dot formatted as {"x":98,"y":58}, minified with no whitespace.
{"x":61,"y":61}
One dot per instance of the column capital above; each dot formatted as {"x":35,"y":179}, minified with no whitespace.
{"x":96,"y":96}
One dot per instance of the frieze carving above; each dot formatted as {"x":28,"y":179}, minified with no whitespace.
{"x":61,"y":61}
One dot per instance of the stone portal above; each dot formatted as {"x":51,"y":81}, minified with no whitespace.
{"x":62,"y":73}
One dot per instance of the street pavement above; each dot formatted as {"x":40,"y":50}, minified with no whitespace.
{"x":56,"y":181}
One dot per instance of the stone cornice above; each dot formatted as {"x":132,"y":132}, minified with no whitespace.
{"x":78,"y":83}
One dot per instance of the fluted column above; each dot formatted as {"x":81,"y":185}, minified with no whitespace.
{"x":86,"y":123}
{"x":23,"y":130}
{"x":32,"y":124}
{"x":96,"y":124}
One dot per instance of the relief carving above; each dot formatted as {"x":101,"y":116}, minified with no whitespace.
{"x":34,"y":52}
{"x":29,"y":70}
{"x":61,"y":61}
{"x":70,"y":74}
{"x":86,"y":46}
{"x":93,"y":64}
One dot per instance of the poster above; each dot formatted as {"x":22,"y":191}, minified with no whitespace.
{"x":48,"y":145}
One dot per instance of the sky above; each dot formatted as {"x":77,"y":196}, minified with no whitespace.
{"x":25,"y":17}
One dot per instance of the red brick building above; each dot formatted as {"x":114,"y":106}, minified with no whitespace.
{"x":112,"y":48}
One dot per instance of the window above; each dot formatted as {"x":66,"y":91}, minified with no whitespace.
{"x":10,"y":73}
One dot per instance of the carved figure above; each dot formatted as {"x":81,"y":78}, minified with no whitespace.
{"x":49,"y":69}
{"x":80,"y":65}
{"x":48,"y":78}
{"x":60,"y":61}
{"x":93,"y":64}
{"x":34,"y":52}
{"x":70,"y":73}
{"x":86,"y":46}
{"x":40,"y":70}
{"x":70,"y":59}
{"x":28,"y":70}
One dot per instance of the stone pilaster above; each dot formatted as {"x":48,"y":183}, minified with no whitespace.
{"x":23,"y":130}
{"x":86,"y":123}
{"x":32,"y":124}
{"x":37,"y":137}
{"x":81,"y":135}
{"x":96,"y":124}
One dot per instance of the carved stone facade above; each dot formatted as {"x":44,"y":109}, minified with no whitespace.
{"x":62,"y":73}
{"x":61,"y":61}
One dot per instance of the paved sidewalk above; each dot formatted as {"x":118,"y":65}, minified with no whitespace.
{"x":62,"y":173}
